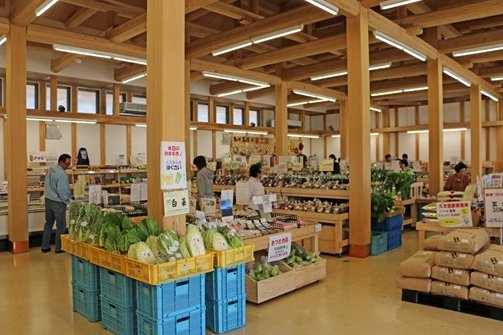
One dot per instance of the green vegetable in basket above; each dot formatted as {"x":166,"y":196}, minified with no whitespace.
{"x":153,"y":243}
{"x":168,"y":244}
{"x":184,"y":250}
{"x":195,"y":242}
{"x":141,"y":252}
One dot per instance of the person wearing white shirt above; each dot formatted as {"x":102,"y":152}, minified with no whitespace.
{"x":255,"y":187}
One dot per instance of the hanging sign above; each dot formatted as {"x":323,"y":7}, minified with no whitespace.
{"x":209,"y":206}
{"x":242,"y":193}
{"x":280,"y":246}
{"x":454,"y":214}
{"x":176,"y":203}
{"x":173,"y":166}
{"x":326,"y":165}
{"x":266,"y":201}
{"x":494,"y":207}
{"x":95,"y":194}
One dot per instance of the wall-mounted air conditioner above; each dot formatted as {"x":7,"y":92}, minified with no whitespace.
{"x":133,"y":109}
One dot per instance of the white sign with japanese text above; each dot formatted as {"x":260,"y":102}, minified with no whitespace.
{"x":173,"y":166}
{"x":494,"y":207}
{"x":279,"y":247}
{"x":454,"y":214}
{"x":176,"y":203}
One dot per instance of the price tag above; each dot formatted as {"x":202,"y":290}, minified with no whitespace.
{"x":326,"y":165}
{"x":454,"y":214}
{"x":176,"y":203}
{"x":280,"y":246}
{"x":494,"y":207}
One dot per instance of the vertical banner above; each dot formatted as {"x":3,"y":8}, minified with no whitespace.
{"x":494,"y":207}
{"x":173,"y":166}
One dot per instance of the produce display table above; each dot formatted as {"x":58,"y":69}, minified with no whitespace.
{"x":331,"y":239}
{"x":307,"y":232}
{"x":424,"y":227}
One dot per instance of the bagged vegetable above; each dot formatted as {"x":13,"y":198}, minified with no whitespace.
{"x":195,"y":242}
{"x":141,"y":252}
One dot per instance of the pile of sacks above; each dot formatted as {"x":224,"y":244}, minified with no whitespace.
{"x":461,"y":264}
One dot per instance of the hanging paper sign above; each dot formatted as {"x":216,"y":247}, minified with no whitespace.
{"x":242,"y":193}
{"x":454,"y":214}
{"x":266,"y":201}
{"x":212,"y":166}
{"x":37,"y":157}
{"x":494,"y":180}
{"x":135,"y":192}
{"x":176,"y":203}
{"x":208,"y":206}
{"x":344,"y":166}
{"x":494,"y":207}
{"x":280,"y":246}
{"x":326,"y":165}
{"x":144,"y":191}
{"x":173,"y":168}
{"x":95,"y":194}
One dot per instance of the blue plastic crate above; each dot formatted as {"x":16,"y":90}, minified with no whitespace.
{"x":120,"y":320}
{"x":226,"y":283}
{"x":118,"y":288}
{"x":86,"y":303}
{"x":165,"y":300}
{"x":379,"y":242}
{"x":85,"y":274}
{"x":225,"y":315}
{"x":394,"y":239}
{"x":189,"y":322}
{"x":389,"y":224}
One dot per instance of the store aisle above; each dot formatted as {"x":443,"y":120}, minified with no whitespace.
{"x":357,"y":297}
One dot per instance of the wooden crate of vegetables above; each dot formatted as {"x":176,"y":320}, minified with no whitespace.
{"x":267,"y":282}
{"x":306,"y":266}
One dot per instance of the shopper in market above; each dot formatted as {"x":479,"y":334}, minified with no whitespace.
{"x":337,"y":166}
{"x":459,"y":180}
{"x":255,"y":187}
{"x":301,"y":155}
{"x":57,"y":195}
{"x":405,"y":157}
{"x":387,"y":158}
{"x":204,"y":179}
{"x":403,"y":164}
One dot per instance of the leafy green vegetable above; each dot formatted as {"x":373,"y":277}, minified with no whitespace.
{"x":168,"y":244}
{"x":141,"y":252}
{"x":263,"y":271}
{"x":195,"y":242}
{"x":153,"y":243}
{"x":184,"y":250}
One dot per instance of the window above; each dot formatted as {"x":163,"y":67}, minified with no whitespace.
{"x":64,"y":97}
{"x":110,"y":101}
{"x":222,"y":114}
{"x":139,"y":99}
{"x":237,"y":114}
{"x":31,"y":95}
{"x":202,"y":113}
{"x":254,"y":117}
{"x":88,"y":101}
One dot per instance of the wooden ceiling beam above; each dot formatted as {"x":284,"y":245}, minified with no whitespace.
{"x":128,"y":71}
{"x":121,"y":9}
{"x":79,"y":17}
{"x":4,"y":26}
{"x":193,"y":5}
{"x":473,"y":11}
{"x":398,"y":84}
{"x":260,"y":93}
{"x":370,"y":3}
{"x":487,"y":57}
{"x":227,"y":86}
{"x":47,"y":35}
{"x":485,"y":23}
{"x":347,"y":7}
{"x":23,"y":11}
{"x":296,"y":85}
{"x":63,"y":62}
{"x":304,"y":14}
{"x":491,"y":71}
{"x":448,"y":30}
{"x":129,"y":29}
{"x":470,"y":41}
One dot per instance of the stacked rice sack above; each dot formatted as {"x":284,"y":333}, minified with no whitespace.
{"x":451,"y":273}
{"x":450,"y":196}
{"x":429,"y":212}
{"x":487,"y":279}
{"x":415,"y":272}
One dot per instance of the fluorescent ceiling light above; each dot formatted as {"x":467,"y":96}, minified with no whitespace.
{"x":474,"y":51}
{"x":414,"y":89}
{"x":377,"y":94}
{"x":453,"y":129}
{"x":229,"y":93}
{"x":192,"y":128}
{"x":418,"y":131}
{"x":144,"y":125}
{"x":236,"y":131}
{"x":44,"y":7}
{"x":80,"y":51}
{"x":3,"y":38}
{"x":219,"y":76}
{"x":76,"y":121}
{"x":395,"y":3}
{"x":454,"y":75}
{"x":325,"y":5}
{"x":375,"y":109}
{"x":133,"y":78}
{"x":232,"y":47}
{"x":294,"y":135}
{"x":29,"y":118}
{"x":277,"y":34}
{"x":345,"y":72}
{"x":380,"y":66}
{"x":313,"y":95}
{"x":497,"y":78}
{"x":336,"y":136}
{"x":249,"y":89}
{"x":489,"y":95}
{"x":133,"y":60}
{"x":257,"y":132}
{"x":293,"y":104}
{"x":302,"y":136}
{"x":426,"y":131}
{"x":399,"y":45}
{"x":374,"y":134}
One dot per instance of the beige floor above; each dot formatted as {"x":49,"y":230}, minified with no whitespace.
{"x":358,"y":297}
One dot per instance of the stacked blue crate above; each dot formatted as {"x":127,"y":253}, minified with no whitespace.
{"x":392,"y":226}
{"x":176,"y":307}
{"x":118,"y":302}
{"x":86,"y":289}
{"x":226,"y":299}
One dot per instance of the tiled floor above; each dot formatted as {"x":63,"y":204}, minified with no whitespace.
{"x":357,"y":297}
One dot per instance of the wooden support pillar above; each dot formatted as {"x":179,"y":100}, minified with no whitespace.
{"x":417,"y":137}
{"x":54,"y":93}
{"x":187,"y":119}
{"x":74,"y":100}
{"x":116,"y":99}
{"x":386,"y":136}
{"x":487,"y":106}
{"x":165,"y":96}
{"x":325,"y":147}
{"x":476,"y":131}
{"x":435,"y":126}
{"x":42,"y":97}
{"x":281,"y":119}
{"x":103,"y":144}
{"x":343,"y":130}
{"x":74,"y":141}
{"x":499,"y":138}
{"x":16,"y":153}
{"x":103,"y":102}
{"x":463,"y":134}
{"x":41,"y":136}
{"x":358,"y":126}
{"x":129,"y":140}
{"x":212,"y":110}
{"x":246,"y":116}
{"x":378,"y":138}
{"x":397,"y":137}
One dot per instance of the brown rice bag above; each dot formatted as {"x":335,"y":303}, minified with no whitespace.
{"x":431,"y":243}
{"x":487,"y":281}
{"x":450,"y":275}
{"x":450,"y":290}
{"x":486,"y":297}
{"x":468,"y":241}
{"x":454,"y":260}
{"x":490,"y":260}
{"x":418,"y":265}
{"x":415,"y":284}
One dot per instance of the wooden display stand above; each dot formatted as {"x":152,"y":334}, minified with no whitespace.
{"x":263,"y":290}
{"x":411,"y":203}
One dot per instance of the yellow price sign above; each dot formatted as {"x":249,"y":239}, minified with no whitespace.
{"x":326,"y":165}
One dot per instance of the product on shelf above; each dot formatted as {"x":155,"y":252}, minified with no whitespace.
{"x":314,"y":206}
{"x":450,"y":196}
{"x":454,"y":260}
{"x":487,"y":281}
{"x":464,"y":241}
{"x":490,"y":261}
{"x":486,"y":297}
{"x":450,"y":275}
{"x":299,"y":257}
{"x":418,"y":265}
{"x":450,"y":290}
{"x":263,"y":270}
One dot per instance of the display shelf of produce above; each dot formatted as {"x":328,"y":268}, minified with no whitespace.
{"x":315,"y":193}
{"x":305,"y":232}
{"x":220,"y":188}
{"x":126,"y":171}
{"x":413,"y":210}
{"x":331,"y":239}
{"x":35,"y":189}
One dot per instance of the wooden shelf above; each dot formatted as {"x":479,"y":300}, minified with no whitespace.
{"x":302,"y":233}
{"x":314,"y":193}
